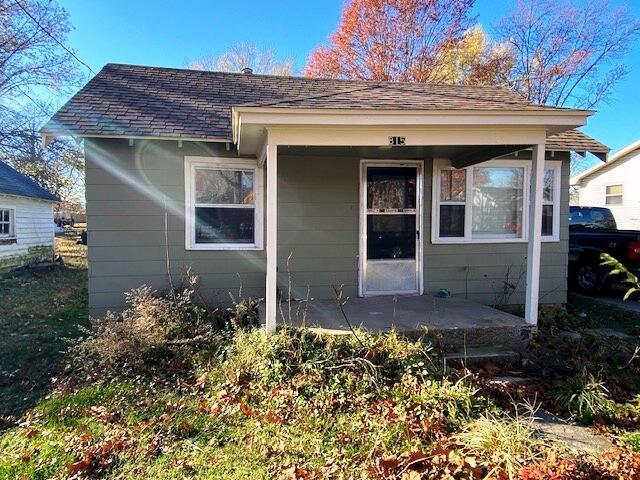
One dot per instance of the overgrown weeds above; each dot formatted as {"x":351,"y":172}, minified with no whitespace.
{"x":504,"y":444}
{"x":159,"y":333}
{"x":585,"y":397}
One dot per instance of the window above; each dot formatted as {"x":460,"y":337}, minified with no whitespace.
{"x":488,"y":202}
{"x":497,"y":205}
{"x":613,"y":195}
{"x":7,"y":228}
{"x":551,"y":201}
{"x":223,"y":204}
{"x":453,"y":191}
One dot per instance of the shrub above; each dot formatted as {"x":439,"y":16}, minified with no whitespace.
{"x":312,"y":359}
{"x":585,"y":397}
{"x":633,"y":440}
{"x":504,"y":444}
{"x":243,"y":313}
{"x":441,"y":406}
{"x":153,"y":330}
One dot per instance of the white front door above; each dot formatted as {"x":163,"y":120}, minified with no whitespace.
{"x":390,"y":227}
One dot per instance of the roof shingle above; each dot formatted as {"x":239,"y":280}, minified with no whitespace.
{"x":15,"y":183}
{"x":173,"y":103}
{"x":576,"y":141}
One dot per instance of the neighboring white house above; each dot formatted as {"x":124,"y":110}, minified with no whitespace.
{"x":615,"y":185}
{"x":26,"y":220}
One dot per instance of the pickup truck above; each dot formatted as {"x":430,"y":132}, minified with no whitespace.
{"x":592,"y":231}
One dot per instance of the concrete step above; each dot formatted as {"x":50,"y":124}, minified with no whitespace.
{"x":479,"y":356}
{"x":457,"y":339}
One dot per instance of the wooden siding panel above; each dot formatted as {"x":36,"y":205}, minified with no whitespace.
{"x":34,"y":227}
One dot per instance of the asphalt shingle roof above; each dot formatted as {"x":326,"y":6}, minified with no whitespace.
{"x":15,"y":183}
{"x":128,"y":100}
{"x":576,"y":141}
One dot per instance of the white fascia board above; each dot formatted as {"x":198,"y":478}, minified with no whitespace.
{"x":290,"y":116}
{"x":414,"y":135}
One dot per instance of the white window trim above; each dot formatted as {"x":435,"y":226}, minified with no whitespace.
{"x":443,"y":163}
{"x":12,"y":223}
{"x":607,"y":195}
{"x":190,"y":165}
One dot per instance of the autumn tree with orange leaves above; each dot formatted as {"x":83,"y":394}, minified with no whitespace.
{"x":410,"y":40}
{"x":556,"y":52}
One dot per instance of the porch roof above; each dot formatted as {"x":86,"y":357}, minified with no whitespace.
{"x":168,"y":103}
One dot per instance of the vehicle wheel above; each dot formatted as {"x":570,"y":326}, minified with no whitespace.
{"x":588,"y":279}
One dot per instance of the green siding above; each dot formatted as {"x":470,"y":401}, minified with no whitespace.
{"x":480,"y":270}
{"x":126,"y":189}
{"x":318,"y":224}
{"x":318,"y":227}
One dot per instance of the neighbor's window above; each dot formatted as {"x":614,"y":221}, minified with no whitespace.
{"x":486,"y":202}
{"x":223,"y":204}
{"x":6,"y":222}
{"x":613,"y":195}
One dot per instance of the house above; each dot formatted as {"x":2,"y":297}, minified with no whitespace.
{"x":614,"y":185}
{"x":282,"y":187}
{"x":26,"y":220}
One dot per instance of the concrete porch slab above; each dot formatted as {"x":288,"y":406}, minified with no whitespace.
{"x":412,"y":314}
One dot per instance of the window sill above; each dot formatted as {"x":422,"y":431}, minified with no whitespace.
{"x":8,"y":240}
{"x":477,"y":241}
{"x":223,"y":248}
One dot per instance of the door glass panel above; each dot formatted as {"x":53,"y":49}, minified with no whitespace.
{"x":391,"y":236}
{"x":391,"y":189}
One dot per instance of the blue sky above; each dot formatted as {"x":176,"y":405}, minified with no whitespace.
{"x":169,"y":33}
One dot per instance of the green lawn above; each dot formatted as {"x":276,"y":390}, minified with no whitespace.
{"x":40,"y":308}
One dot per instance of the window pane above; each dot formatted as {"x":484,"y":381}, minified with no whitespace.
{"x":614,"y":190}
{"x":391,"y":188}
{"x":391,"y":236}
{"x":497,"y":201}
{"x":453,"y":184}
{"x":547,"y":188}
{"x":547,"y":220}
{"x":4,"y":228}
{"x":224,"y":186}
{"x":224,"y":225}
{"x":452,"y":220}
{"x":614,"y":200}
{"x":5,"y":215}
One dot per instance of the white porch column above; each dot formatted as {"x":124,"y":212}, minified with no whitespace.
{"x":271,"y":307}
{"x":535,"y":233}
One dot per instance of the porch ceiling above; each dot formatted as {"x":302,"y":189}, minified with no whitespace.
{"x":461,"y":155}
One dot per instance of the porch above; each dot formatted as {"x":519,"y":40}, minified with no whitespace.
{"x":455,"y":319}
{"x":314,"y":160}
